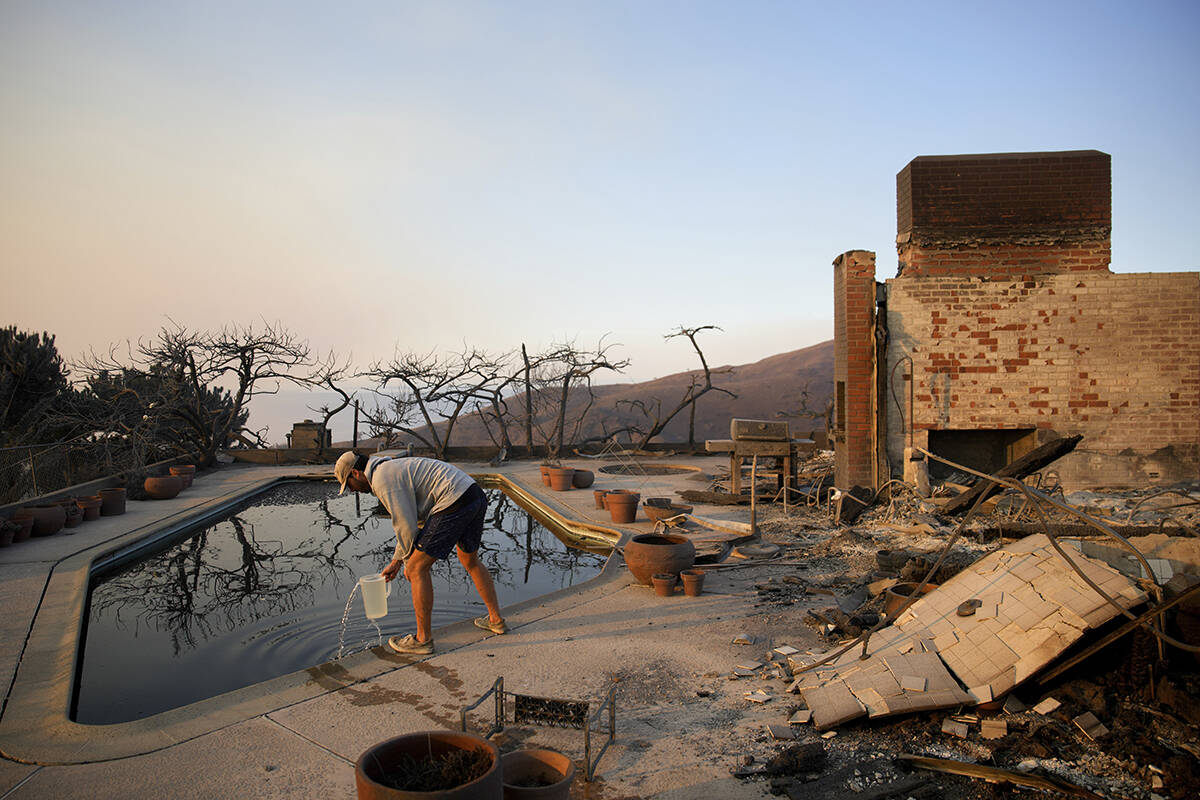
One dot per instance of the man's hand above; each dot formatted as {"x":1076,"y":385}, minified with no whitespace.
{"x":392,"y":570}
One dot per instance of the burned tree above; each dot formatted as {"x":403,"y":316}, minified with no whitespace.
{"x":193,"y":388}
{"x":559,"y":391}
{"x":701,"y":384}
{"x":432,"y":394}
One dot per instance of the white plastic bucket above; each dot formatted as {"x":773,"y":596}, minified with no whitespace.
{"x":375,"y":591}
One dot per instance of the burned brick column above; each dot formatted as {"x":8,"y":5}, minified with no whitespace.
{"x":854,"y":368}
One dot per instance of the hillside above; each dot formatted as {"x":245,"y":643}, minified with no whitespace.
{"x":764,"y":390}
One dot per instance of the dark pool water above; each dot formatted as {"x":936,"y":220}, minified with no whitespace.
{"x":262,"y":593}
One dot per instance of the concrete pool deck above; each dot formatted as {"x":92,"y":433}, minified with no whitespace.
{"x":299,"y":735}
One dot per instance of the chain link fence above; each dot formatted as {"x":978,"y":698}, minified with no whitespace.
{"x":28,"y":471}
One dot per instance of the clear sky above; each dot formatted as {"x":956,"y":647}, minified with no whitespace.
{"x":383,"y":174}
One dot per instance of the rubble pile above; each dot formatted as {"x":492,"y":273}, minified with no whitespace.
{"x":1124,"y":721}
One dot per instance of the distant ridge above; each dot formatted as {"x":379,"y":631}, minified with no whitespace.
{"x":765,"y":389}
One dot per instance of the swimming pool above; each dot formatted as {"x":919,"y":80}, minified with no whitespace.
{"x":261,"y":593}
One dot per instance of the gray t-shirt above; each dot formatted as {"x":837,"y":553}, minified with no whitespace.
{"x":413,"y":488}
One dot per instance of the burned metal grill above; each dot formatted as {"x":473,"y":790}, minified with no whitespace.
{"x":553,"y":713}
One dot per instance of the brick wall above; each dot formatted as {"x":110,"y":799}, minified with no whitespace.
{"x":1113,"y":357}
{"x":853,"y":365}
{"x":1005,"y":213}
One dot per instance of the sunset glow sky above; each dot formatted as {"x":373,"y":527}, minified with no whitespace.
{"x":383,"y":174}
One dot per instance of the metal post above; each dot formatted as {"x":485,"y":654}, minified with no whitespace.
{"x":33,"y":473}
{"x":754,"y":496}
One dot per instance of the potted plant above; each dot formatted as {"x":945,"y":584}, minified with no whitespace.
{"x":430,"y":764}
{"x":534,"y":774}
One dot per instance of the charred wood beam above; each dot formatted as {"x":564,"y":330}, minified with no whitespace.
{"x":1031,"y":462}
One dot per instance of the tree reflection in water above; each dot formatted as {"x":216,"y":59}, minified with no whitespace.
{"x":261,"y":593}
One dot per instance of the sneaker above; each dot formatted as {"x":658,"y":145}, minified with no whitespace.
{"x":409,"y":646}
{"x":488,"y":625}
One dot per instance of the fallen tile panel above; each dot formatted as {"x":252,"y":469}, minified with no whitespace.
{"x":1036,"y":607}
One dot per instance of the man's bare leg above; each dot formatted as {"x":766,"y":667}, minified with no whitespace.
{"x":483,"y":583}
{"x":416,"y":569}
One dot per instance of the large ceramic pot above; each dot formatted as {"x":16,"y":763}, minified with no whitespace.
{"x":561,"y":478}
{"x":112,"y":502}
{"x":372,"y":769}
{"x":537,"y":775}
{"x":185,"y":471}
{"x":90,"y":505}
{"x":163,"y":487}
{"x":583,"y":478}
{"x":47,"y":520}
{"x":650,"y":553}
{"x":622,"y":507}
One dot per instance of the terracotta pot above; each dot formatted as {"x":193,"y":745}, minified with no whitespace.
{"x":26,"y":527}
{"x":185,"y":471}
{"x":74,"y":516}
{"x":554,"y":770}
{"x":693,"y":582}
{"x":8,"y":532}
{"x":659,"y":502}
{"x":650,"y":553}
{"x":47,"y":520}
{"x":90,"y":506}
{"x":664,"y":583}
{"x":373,"y":765}
{"x":561,"y":478}
{"x":655,"y":513}
{"x":546,"y":474}
{"x":898,"y":594}
{"x":112,"y":502}
{"x":598,"y":494}
{"x":583,"y":478}
{"x":622,"y":507}
{"x":163,"y":487}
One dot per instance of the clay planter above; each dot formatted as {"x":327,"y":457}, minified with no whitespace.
{"x":898,"y":594}
{"x":622,"y":507}
{"x":185,"y":471}
{"x":598,"y":494}
{"x":373,"y":766}
{"x":47,"y":520}
{"x":693,"y":582}
{"x":664,"y":583}
{"x":163,"y":487}
{"x":537,"y":775}
{"x":546,"y":474}
{"x":650,"y":553}
{"x":8,"y":531}
{"x":26,"y":527}
{"x":74,"y":516}
{"x":112,"y":502}
{"x":583,"y":479}
{"x":655,"y":513}
{"x":561,"y":478}
{"x":90,"y":506}
{"x":657,"y":502}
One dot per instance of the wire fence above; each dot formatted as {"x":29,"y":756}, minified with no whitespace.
{"x":31,"y":470}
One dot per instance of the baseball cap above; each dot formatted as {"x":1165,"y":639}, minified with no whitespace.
{"x":343,"y":466}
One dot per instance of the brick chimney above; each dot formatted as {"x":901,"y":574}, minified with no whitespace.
{"x":1005,"y":214}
